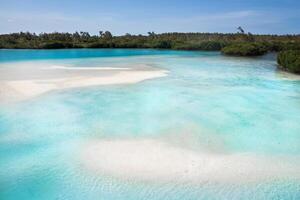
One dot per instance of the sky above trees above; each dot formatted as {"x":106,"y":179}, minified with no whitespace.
{"x":139,"y":17}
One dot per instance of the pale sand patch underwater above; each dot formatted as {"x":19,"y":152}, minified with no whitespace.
{"x":152,"y":160}
{"x":24,"y":82}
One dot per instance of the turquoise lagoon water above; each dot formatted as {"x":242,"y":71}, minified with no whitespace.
{"x":226,"y":104}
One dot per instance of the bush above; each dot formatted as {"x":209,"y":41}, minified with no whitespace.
{"x":99,"y":45}
{"x":283,"y":46}
{"x":211,"y":46}
{"x":204,"y":46}
{"x":289,"y":60}
{"x":162,"y":44}
{"x":245,"y":49}
{"x":56,"y":45}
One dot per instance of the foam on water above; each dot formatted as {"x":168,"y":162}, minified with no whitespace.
{"x":207,"y":103}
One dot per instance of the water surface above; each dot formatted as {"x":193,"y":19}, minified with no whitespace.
{"x":223,"y":104}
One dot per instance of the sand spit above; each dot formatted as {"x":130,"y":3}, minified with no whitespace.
{"x":21,"y":83}
{"x":155,"y":160}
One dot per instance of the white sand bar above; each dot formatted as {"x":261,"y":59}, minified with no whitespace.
{"x":155,"y":160}
{"x":27,"y":81}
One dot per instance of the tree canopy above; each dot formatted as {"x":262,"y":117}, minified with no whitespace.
{"x":183,"y":41}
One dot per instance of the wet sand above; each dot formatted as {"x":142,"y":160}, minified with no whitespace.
{"x":154,"y":160}
{"x":27,"y":80}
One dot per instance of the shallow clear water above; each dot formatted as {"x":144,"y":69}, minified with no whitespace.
{"x":228,"y":104}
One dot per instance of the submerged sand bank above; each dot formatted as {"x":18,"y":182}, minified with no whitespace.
{"x":23,"y":82}
{"x":155,"y":160}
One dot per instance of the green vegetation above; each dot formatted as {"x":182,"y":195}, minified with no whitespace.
{"x":245,"y":49}
{"x":180,"y":41}
{"x":289,"y":60}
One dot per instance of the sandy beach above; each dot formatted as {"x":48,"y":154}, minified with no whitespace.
{"x":153,"y":160}
{"x":24,"y":81}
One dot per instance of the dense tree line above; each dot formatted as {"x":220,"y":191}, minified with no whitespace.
{"x":183,"y":41}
